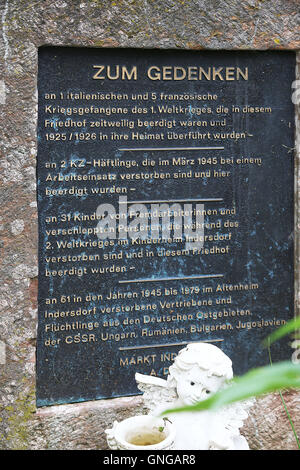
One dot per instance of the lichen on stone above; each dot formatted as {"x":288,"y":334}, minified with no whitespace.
{"x":20,"y":413}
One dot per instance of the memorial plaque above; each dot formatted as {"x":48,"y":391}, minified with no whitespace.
{"x":165,"y":199}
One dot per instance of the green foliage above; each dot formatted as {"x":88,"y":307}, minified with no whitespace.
{"x":254,"y":383}
{"x":286,"y":329}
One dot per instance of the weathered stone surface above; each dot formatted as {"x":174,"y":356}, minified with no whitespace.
{"x":268,"y":427}
{"x":81,"y":426}
{"x":27,"y":25}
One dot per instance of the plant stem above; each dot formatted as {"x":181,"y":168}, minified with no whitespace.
{"x":290,"y":420}
{"x":284,"y":405}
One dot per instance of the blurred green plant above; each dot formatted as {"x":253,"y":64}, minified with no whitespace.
{"x":290,"y":327}
{"x":254,"y":383}
{"x":257,"y":382}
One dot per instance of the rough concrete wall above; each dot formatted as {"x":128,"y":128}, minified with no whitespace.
{"x":26,"y":25}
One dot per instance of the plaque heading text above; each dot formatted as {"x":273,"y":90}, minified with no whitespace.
{"x":122,"y":72}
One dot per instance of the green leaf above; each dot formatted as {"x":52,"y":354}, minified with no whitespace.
{"x":254,"y":383}
{"x":286,"y":329}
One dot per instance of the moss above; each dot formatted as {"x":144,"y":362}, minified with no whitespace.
{"x":98,"y":43}
{"x":99,"y":3}
{"x":19,"y":415}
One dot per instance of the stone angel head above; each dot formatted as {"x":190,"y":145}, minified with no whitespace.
{"x":198,"y":370}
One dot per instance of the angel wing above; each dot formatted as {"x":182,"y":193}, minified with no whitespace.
{"x":156,"y":392}
{"x":229,"y":420}
{"x":234,"y":415}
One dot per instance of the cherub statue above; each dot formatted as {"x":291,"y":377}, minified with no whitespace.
{"x":199,"y":370}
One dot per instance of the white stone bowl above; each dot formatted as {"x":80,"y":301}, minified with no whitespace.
{"x":144,"y":433}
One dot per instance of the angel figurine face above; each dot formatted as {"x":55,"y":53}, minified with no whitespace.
{"x":196,"y":385}
{"x":198,"y":371}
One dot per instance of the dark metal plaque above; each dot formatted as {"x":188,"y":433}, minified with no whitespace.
{"x":165,"y":200}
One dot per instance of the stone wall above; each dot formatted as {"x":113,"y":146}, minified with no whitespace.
{"x":25,"y":26}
